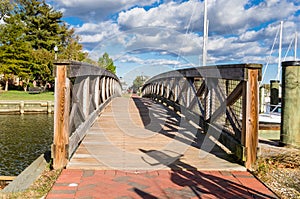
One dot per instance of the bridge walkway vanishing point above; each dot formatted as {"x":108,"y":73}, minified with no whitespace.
{"x":138,"y":148}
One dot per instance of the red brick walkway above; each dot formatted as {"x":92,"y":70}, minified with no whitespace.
{"x":108,"y":184}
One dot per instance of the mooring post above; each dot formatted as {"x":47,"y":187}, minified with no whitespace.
{"x":22,"y":105}
{"x":61,"y":118}
{"x":274,"y":99}
{"x":290,"y":120}
{"x":49,"y":105}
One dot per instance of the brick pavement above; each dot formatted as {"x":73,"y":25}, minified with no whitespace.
{"x":162,"y":184}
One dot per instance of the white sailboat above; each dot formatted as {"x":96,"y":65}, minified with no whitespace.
{"x":272,"y":115}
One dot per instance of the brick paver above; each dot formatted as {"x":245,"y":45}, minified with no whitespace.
{"x":157,"y":184}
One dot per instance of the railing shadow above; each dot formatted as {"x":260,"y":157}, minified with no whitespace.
{"x":166,"y":122}
{"x":201,"y":183}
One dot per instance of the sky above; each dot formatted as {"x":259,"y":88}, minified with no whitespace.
{"x":147,"y":37}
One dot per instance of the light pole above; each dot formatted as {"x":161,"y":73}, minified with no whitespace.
{"x":55,"y":50}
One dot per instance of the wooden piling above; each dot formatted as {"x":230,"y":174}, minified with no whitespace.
{"x":22,"y":105}
{"x":274,"y":100}
{"x":61,"y":118}
{"x":49,"y":105}
{"x":290,"y":120}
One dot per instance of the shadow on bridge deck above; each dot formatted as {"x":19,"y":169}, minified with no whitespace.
{"x":139,"y":134}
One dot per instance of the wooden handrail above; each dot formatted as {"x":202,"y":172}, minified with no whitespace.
{"x":220,"y":98}
{"x":81,"y":92}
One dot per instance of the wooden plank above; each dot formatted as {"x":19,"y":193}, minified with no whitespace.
{"x":230,"y":114}
{"x":235,"y":94}
{"x":269,"y":126}
{"x":61,"y":119}
{"x":81,"y":131}
{"x":7,"y":178}
{"x":232,"y":72}
{"x":201,"y":89}
{"x":76,"y":69}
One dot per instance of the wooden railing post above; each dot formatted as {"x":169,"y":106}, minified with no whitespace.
{"x":61,"y":118}
{"x":86,"y":97}
{"x":103,"y":98}
{"x":107,"y":88}
{"x":250,"y":117}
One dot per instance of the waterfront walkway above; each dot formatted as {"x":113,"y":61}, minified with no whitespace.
{"x":140,"y":149}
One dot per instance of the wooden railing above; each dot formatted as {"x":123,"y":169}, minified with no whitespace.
{"x":222,"y":100}
{"x":81,"y":92}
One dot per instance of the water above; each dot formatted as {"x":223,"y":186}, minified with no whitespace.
{"x":23,"y":138}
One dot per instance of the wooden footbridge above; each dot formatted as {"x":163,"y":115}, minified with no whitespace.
{"x":199,"y":118}
{"x":193,"y":134}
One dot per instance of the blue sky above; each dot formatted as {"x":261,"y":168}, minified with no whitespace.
{"x":146,"y":37}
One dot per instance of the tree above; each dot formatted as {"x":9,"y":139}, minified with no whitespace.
{"x":38,"y":28}
{"x":41,"y":66}
{"x":45,"y":30}
{"x":73,"y":49}
{"x":5,"y":7}
{"x":15,"y":52}
{"x":138,"y":82}
{"x":43,"y":24}
{"x":107,"y":63}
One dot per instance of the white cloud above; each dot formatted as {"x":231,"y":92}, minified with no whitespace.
{"x":166,"y":40}
{"x":239,"y":31}
{"x":95,"y":10}
{"x":170,"y":15}
{"x":95,"y":33}
{"x":226,"y":50}
{"x":148,"y":62}
{"x":231,"y":17}
{"x":225,"y":16}
{"x":128,"y":59}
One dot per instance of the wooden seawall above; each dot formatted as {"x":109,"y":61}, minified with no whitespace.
{"x":21,"y":107}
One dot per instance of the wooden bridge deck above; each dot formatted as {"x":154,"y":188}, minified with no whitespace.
{"x":137,"y":134}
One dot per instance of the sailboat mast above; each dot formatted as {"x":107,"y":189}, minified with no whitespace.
{"x":205,"y":32}
{"x":296,"y":45}
{"x":279,"y":50}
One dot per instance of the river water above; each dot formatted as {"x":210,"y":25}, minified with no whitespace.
{"x":23,"y":138}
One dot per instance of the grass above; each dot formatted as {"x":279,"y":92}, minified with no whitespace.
{"x":281,"y":173}
{"x":22,"y":95}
